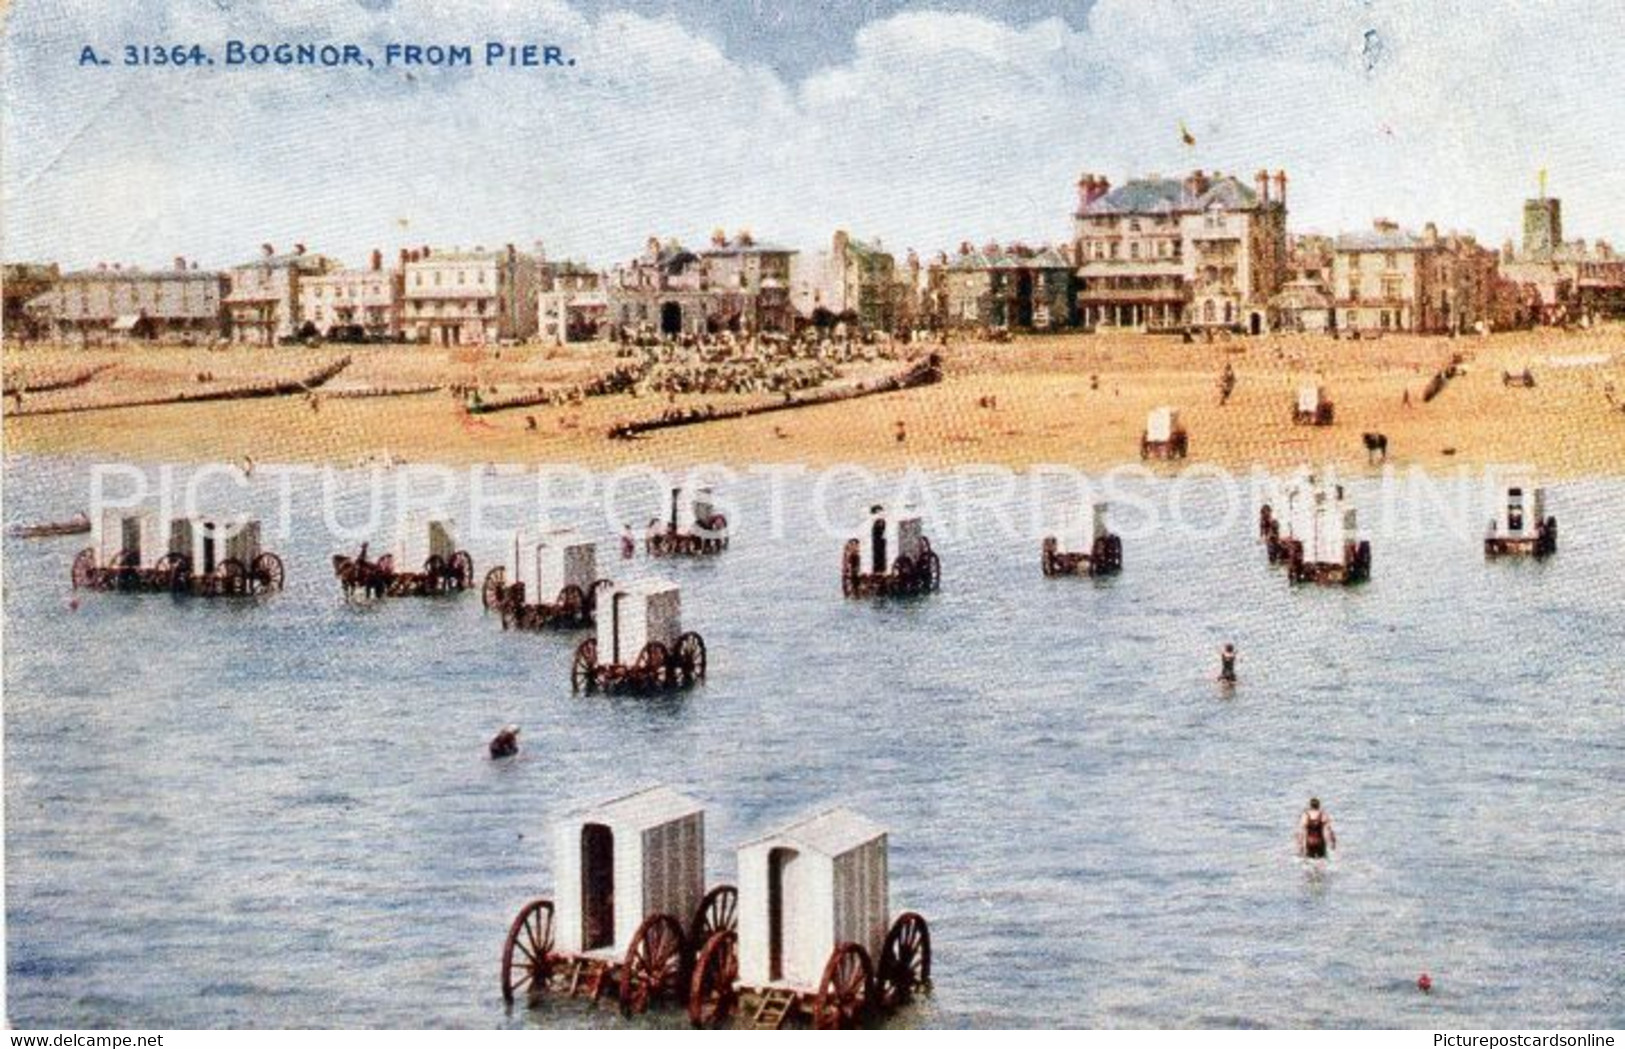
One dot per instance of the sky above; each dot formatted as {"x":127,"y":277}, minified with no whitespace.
{"x":922,"y":125}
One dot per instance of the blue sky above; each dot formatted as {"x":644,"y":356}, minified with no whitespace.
{"x":922,"y":125}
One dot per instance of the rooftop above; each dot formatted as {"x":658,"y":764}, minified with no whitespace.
{"x":1172,"y":196}
{"x":832,"y":833}
{"x":642,"y":809}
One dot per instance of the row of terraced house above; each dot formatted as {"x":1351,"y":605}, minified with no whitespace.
{"x":1202,"y":251}
{"x":478,"y":297}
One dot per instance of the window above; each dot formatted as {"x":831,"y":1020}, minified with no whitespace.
{"x":1134,"y":250}
{"x":462,"y":278}
{"x":437,"y":278}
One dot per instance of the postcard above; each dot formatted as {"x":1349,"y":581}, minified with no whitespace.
{"x":609,"y":514}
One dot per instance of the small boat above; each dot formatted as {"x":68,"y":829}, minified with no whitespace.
{"x":78,"y":524}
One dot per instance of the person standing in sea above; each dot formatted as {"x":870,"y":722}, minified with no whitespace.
{"x":1315,"y":835}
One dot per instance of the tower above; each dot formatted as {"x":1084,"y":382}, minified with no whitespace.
{"x":1542,"y":224}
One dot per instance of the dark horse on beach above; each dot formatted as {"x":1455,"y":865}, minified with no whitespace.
{"x":358,"y":573}
{"x":1376,"y":447}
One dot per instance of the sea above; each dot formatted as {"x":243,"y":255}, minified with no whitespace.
{"x":280,"y":812}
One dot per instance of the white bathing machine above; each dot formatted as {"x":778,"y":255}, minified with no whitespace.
{"x":222,"y":554}
{"x":814,"y":936}
{"x":127,"y":538}
{"x":1521,"y":524}
{"x":631,"y":904}
{"x":547,"y":581}
{"x":690,"y":524}
{"x":890,"y":555}
{"x":205,"y":555}
{"x":1164,"y":436}
{"x":639,"y":643}
{"x":1313,"y":406}
{"x":1322,"y":542}
{"x":1082,"y":545}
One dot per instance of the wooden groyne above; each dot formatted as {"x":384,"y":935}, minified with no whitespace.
{"x":235,"y":393}
{"x":923,"y":373}
{"x":384,"y":391}
{"x":77,"y":379}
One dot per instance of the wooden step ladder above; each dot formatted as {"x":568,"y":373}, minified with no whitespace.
{"x":773,"y":1009}
{"x":586,"y":976}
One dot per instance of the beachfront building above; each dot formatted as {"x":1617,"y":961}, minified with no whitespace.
{"x":1304,"y":302}
{"x":856,"y":281}
{"x":1564,"y":281}
{"x":353,"y":305}
{"x":570,"y":302}
{"x":1202,"y":251}
{"x":1393,"y":280}
{"x":262,"y":301}
{"x":111,"y":304}
{"x":1010,"y":287}
{"x":20,"y":284}
{"x":733,"y":285}
{"x":469,"y":298}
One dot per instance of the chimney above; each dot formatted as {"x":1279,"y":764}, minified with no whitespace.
{"x":1262,"y":183}
{"x":267,"y":250}
{"x":1280,"y":188}
{"x":745,"y":239}
{"x":377,"y":260}
{"x":298,"y":249}
{"x":180,"y":263}
{"x":1086,"y":184}
{"x":1430,"y":234}
{"x":1385,"y":226}
{"x":1197,"y":184}
{"x":1100,"y":188}
{"x":194,"y":265}
{"x":423,"y":252}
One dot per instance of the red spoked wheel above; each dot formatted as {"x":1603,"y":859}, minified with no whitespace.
{"x":266,"y":572}
{"x":714,"y":992}
{"x":846,"y":990}
{"x":527,"y":955}
{"x":434,"y":573}
{"x":572,"y":604}
{"x":718,"y":912}
{"x":124,"y":570}
{"x":461,"y":570}
{"x":584,"y":667}
{"x":653,"y":668}
{"x":689,"y":659}
{"x":905,"y":576}
{"x":851,"y":567}
{"x":654,"y":966}
{"x":231,"y":577}
{"x":84,"y":569}
{"x":905,"y":961}
{"x":173,"y":572}
{"x":931,"y":570}
{"x":496,"y":581}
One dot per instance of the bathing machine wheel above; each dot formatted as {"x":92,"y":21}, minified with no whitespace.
{"x":527,"y":955}
{"x":846,"y":990}
{"x":655,"y":965}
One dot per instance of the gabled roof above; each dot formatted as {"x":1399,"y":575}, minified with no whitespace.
{"x":1171,"y":196}
{"x":1005,"y":259}
{"x":640,"y":810}
{"x":834,"y":832}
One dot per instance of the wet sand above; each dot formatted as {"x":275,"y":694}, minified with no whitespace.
{"x":1078,"y":400}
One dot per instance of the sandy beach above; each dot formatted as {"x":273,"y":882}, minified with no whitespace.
{"x":1079,"y":400}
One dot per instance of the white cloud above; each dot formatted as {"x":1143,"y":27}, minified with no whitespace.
{"x":940,"y":127}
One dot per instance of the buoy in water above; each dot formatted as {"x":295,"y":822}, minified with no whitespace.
{"x":1424,"y":983}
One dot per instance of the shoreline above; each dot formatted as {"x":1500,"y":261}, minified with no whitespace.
{"x":1074,"y":400}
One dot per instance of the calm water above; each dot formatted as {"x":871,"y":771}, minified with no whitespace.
{"x":279,"y":813}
